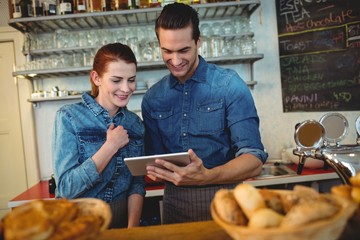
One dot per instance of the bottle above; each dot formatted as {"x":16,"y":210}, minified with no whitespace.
{"x":123,"y":4}
{"x":188,"y":2}
{"x":37,"y":8}
{"x":154,"y":3}
{"x":106,"y":5}
{"x":95,"y":6}
{"x":49,"y":7}
{"x":66,"y":7}
{"x":26,"y":8}
{"x":143,"y":3}
{"x":114,"y":4}
{"x":80,"y":6}
{"x":133,"y":4}
{"x":17,"y":10}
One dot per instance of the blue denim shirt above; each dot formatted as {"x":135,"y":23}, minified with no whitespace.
{"x":79,"y":132}
{"x":213,"y":113}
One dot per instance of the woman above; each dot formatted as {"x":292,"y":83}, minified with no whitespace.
{"x":91,"y":139}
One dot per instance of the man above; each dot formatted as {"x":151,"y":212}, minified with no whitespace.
{"x":203,"y":109}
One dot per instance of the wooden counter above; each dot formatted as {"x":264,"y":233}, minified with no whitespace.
{"x":181,"y":231}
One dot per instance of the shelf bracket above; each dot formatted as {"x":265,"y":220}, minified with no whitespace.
{"x":36,"y":105}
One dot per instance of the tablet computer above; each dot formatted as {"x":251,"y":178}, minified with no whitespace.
{"x":137,"y":165}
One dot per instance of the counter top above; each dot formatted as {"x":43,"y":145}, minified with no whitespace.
{"x":180,"y":231}
{"x":307,"y":175}
{"x":41,"y":190}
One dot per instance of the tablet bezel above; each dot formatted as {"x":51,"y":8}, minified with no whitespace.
{"x":137,"y":165}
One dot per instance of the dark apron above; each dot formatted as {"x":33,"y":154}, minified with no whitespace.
{"x":119,"y":212}
{"x":189,"y":204}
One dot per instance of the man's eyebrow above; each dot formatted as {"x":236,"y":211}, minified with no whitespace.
{"x":179,"y":50}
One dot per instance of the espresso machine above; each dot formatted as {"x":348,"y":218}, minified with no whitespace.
{"x":322,"y":140}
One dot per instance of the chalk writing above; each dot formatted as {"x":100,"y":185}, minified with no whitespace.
{"x":315,"y":41}
{"x":342,"y":96}
{"x":293,"y":11}
{"x":319,"y":46}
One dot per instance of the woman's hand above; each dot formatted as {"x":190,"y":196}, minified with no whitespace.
{"x":117,"y":137}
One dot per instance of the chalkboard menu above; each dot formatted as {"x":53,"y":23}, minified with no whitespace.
{"x":319,"y":45}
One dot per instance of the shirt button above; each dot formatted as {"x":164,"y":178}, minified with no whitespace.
{"x":185,"y":93}
{"x":184,"y":134}
{"x":208,"y":109}
{"x":185,"y":114}
{"x":160,"y":116}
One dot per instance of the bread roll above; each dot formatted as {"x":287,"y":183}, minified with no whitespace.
{"x":29,"y":221}
{"x":288,"y":201}
{"x":83,"y":227}
{"x":304,"y":192}
{"x":272,"y":200}
{"x":249,"y":199}
{"x":265,"y":218}
{"x":227,"y":207}
{"x":355,"y":194}
{"x":61,"y":210}
{"x":308,"y":211}
{"x":342,"y":191}
{"x":355,"y":180}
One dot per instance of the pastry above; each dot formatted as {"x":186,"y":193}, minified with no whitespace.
{"x":355,"y":194}
{"x":29,"y":221}
{"x":289,"y":200}
{"x":227,"y":207}
{"x":57,"y":219}
{"x":249,"y":199}
{"x":342,"y":191}
{"x":83,"y":227}
{"x":265,"y":218}
{"x":308,"y":211}
{"x":272,"y":200}
{"x":61,"y":210}
{"x":355,"y":180}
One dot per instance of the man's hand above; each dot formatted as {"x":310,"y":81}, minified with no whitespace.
{"x":192,"y":174}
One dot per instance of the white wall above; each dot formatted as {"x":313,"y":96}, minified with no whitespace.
{"x":277,"y":128}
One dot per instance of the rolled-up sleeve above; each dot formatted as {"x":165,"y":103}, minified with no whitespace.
{"x":243,"y":121}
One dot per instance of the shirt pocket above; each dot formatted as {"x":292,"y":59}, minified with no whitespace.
{"x":90,"y":142}
{"x":165,"y":121}
{"x":210,"y":117}
{"x":135,"y":146}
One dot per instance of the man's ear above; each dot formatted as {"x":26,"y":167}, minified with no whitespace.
{"x":199,"y":41}
{"x":95,"y":78}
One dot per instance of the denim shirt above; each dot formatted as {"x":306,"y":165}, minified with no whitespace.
{"x":79,"y":132}
{"x":213,"y":113}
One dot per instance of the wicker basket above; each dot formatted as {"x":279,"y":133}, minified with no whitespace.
{"x":326,"y":229}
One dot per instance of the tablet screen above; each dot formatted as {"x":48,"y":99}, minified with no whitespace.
{"x":137,"y":165}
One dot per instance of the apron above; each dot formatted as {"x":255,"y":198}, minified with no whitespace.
{"x":119,"y":212}
{"x":189,"y":203}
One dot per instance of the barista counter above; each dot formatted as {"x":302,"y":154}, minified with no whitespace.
{"x":41,"y":190}
{"x":307,"y":175}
